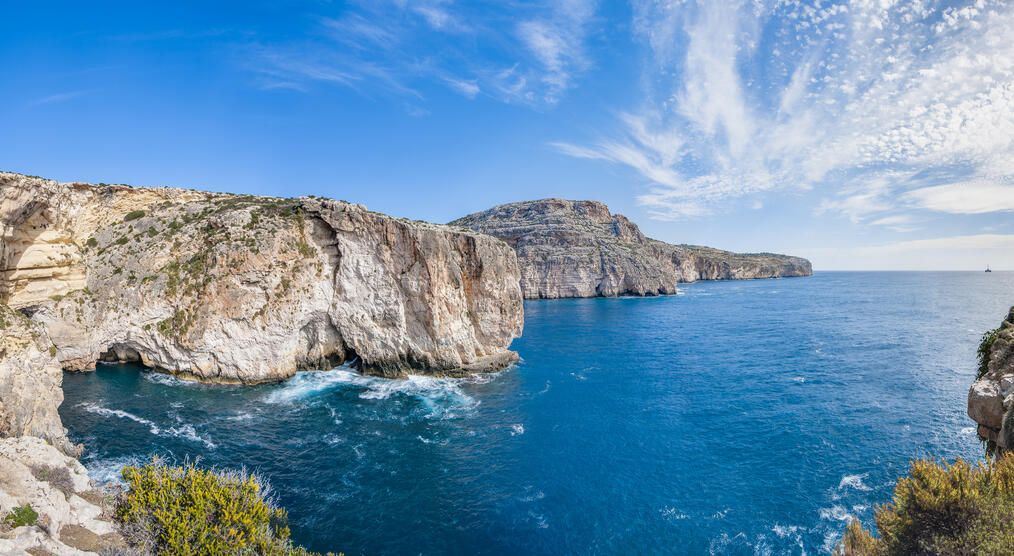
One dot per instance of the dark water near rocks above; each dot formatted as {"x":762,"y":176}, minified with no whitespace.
{"x":737,"y":418}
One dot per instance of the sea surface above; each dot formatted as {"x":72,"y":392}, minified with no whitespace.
{"x":748,"y":417}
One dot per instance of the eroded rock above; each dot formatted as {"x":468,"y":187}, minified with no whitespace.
{"x":579,"y":249}
{"x":237,"y":288}
{"x":991,"y":397}
{"x":36,"y":474}
{"x":30,"y":381}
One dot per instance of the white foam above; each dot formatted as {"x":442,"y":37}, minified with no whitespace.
{"x":306,"y":384}
{"x":517,"y":429}
{"x":185,"y":431}
{"x":854,"y":481}
{"x":166,"y":379}
{"x":784,"y":530}
{"x":105,"y":412}
{"x":441,"y":397}
{"x":669,"y":512}
{"x":188,"y":432}
{"x":835,"y":513}
{"x":107,"y":470}
{"x":333,"y":439}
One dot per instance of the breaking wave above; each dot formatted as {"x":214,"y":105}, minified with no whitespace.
{"x":438,"y":397}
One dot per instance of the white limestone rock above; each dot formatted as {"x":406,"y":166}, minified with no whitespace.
{"x":235,"y":288}
{"x":579,"y":249}
{"x":991,"y":399}
{"x":36,"y":474}
{"x":30,"y":381}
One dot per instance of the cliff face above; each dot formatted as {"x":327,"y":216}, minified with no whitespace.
{"x":579,"y":249}
{"x":30,"y":382}
{"x":248,"y":289}
{"x":991,"y":398}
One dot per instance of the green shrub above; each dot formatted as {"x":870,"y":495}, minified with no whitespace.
{"x":190,"y":511}
{"x":942,"y":509}
{"x":20,"y":516}
{"x":985,"y":347}
{"x":92,"y":242}
{"x":133,"y":215}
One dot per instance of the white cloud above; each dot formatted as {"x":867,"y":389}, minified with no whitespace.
{"x":468,"y":88}
{"x":854,"y":98}
{"x":557,"y":43}
{"x":897,"y":223}
{"x":971,"y":197}
{"x":393,"y":46}
{"x":963,"y":252}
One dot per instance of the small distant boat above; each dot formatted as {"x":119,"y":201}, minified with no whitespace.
{"x":987,"y":269}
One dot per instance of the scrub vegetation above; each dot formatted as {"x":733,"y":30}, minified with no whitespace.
{"x":168,"y":510}
{"x":942,"y":508}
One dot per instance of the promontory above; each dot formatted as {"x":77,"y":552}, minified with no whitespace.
{"x":579,"y":249}
{"x":239,"y":288}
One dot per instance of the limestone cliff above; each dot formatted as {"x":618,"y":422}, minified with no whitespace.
{"x":579,"y":249}
{"x":991,"y":397}
{"x":240,"y":288}
{"x":30,"y":382}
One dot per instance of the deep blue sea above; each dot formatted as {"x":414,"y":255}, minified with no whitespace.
{"x":748,"y":417}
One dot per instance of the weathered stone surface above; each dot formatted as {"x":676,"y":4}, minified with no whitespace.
{"x":30,"y":382}
{"x":985,"y":403}
{"x":991,"y":398}
{"x":579,"y":249}
{"x":54,"y":485}
{"x":237,"y":288}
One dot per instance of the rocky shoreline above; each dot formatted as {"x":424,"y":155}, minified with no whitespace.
{"x":579,"y":249}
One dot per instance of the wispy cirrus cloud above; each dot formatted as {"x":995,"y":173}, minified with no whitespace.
{"x":398,"y":47}
{"x":61,"y":97}
{"x":862,"y":100}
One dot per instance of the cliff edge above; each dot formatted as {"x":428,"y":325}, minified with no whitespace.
{"x":991,"y":397}
{"x":239,"y":288}
{"x":580,"y":249}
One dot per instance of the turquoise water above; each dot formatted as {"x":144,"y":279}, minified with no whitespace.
{"x":736,"y":418}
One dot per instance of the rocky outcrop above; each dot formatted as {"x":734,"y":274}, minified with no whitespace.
{"x":237,"y":288}
{"x":991,"y":397}
{"x":65,"y":513}
{"x":579,"y":249}
{"x":30,"y":382}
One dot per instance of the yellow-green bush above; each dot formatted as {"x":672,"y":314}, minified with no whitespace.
{"x":943,"y":509}
{"x":186,"y":511}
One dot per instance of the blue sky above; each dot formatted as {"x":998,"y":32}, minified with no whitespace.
{"x":869,"y":134}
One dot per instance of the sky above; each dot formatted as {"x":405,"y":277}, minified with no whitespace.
{"x":868,"y":134}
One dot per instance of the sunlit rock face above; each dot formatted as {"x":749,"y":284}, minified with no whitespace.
{"x":579,"y":249}
{"x":991,"y":397}
{"x":237,"y":288}
{"x":30,"y":382}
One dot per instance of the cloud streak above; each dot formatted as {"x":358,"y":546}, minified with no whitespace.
{"x":878,"y":105}
{"x":398,"y":48}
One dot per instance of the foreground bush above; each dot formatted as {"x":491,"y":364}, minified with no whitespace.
{"x":189,"y":511}
{"x":943,"y":509}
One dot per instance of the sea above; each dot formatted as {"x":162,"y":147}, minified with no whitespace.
{"x":739,"y":417}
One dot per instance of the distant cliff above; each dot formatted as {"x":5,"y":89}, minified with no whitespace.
{"x":579,"y":249}
{"x":238,"y":288}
